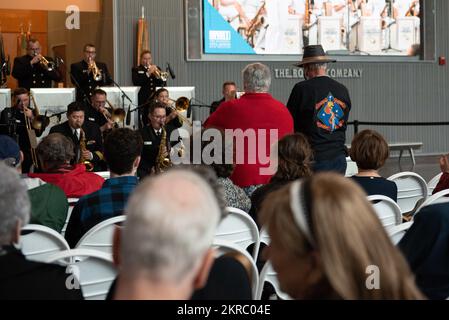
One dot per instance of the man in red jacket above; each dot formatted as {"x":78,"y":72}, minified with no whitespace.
{"x":256,"y":122}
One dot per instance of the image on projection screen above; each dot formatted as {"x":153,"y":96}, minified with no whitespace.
{"x":284,"y":27}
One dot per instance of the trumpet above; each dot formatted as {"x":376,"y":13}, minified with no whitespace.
{"x":158,"y":73}
{"x":96,"y":72}
{"x":48,"y":65}
{"x":181,"y":104}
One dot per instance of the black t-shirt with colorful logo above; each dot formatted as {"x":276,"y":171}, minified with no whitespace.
{"x":320,"y":109}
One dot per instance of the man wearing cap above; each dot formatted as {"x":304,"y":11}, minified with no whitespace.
{"x":320,"y":109}
{"x":49,"y":204}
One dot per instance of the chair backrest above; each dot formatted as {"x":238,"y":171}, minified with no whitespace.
{"x":223,"y":247}
{"x":387,"y":210}
{"x":264,"y":236}
{"x":397,"y":232}
{"x":39,"y":242}
{"x":104,"y":174}
{"x":238,"y":227}
{"x":433,"y":183}
{"x":269,"y":275}
{"x":351,"y":167}
{"x":92,"y":270}
{"x":411,"y":189}
{"x":438,"y":197}
{"x":100,"y":236}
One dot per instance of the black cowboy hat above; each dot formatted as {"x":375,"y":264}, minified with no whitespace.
{"x":314,"y":54}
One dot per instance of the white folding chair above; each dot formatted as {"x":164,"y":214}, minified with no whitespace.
{"x":438,"y":197}
{"x":269,"y":275}
{"x":100,"y":236}
{"x":431,"y":185}
{"x":39,"y":242}
{"x":224,"y":247}
{"x":264,"y":236}
{"x":387,"y":210}
{"x":92,"y":270}
{"x":397,"y":232}
{"x":238,"y":227}
{"x":351,"y":168}
{"x":104,"y":174}
{"x":411,"y":189}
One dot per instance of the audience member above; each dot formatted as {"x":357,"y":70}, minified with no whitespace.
{"x":294,"y":158}
{"x":165,"y":248}
{"x":426,"y":246}
{"x":20,"y":278}
{"x":320,"y":108}
{"x":49,"y":203}
{"x":369,"y":151}
{"x":55,"y":153}
{"x":122,"y":150}
{"x":443,"y":183}
{"x":253,"y":119}
{"x":328,"y":243}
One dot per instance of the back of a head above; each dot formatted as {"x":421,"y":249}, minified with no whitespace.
{"x":256,"y":78}
{"x":14,"y":203}
{"x":168,"y":230}
{"x":9,"y":151}
{"x":369,"y":150}
{"x":346,"y":233}
{"x":55,"y":150}
{"x":121,"y":148}
{"x":294,"y":157}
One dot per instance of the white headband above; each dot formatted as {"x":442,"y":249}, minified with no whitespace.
{"x":298,"y":209}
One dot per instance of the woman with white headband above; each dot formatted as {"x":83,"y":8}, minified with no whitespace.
{"x":327,"y":243}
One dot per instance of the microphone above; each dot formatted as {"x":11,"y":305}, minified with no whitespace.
{"x":128,"y":116}
{"x":170,"y":70}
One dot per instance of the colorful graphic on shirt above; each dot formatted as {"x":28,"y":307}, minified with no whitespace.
{"x":331,"y":112}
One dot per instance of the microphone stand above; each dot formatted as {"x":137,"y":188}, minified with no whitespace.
{"x":85,"y":97}
{"x":124,"y":95}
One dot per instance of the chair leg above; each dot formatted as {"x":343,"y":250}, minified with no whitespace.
{"x":400,"y":155}
{"x":412,"y":155}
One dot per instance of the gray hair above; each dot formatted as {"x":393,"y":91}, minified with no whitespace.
{"x":168,"y":231}
{"x":14,"y":203}
{"x":256,"y":78}
{"x":55,"y":150}
{"x":317,"y":66}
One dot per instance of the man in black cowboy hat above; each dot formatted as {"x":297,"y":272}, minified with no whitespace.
{"x":320,"y":109}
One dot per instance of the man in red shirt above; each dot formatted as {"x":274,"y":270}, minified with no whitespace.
{"x":256,"y":122}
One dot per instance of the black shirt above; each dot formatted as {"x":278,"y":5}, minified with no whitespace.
{"x":378,"y":185}
{"x":320,"y":109}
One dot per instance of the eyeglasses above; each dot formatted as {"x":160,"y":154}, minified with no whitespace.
{"x":90,"y":52}
{"x":158,"y":117}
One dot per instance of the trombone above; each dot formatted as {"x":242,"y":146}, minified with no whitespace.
{"x":181,"y":104}
{"x":116,"y":115}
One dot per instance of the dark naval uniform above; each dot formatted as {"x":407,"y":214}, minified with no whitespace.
{"x":87,"y":84}
{"x":148,"y":85}
{"x":33,"y":76}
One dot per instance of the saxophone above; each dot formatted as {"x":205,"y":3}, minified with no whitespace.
{"x":82,"y":160}
{"x":162,"y":160}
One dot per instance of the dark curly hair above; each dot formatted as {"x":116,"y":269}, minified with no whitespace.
{"x":294,"y":157}
{"x":121,"y":148}
{"x":55,"y":150}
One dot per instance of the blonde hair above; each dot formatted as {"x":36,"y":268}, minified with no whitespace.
{"x":347,"y":235}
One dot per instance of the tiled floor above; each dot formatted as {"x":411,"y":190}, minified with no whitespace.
{"x":426,"y":166}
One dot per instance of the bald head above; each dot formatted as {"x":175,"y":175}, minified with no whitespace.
{"x":171,"y":222}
